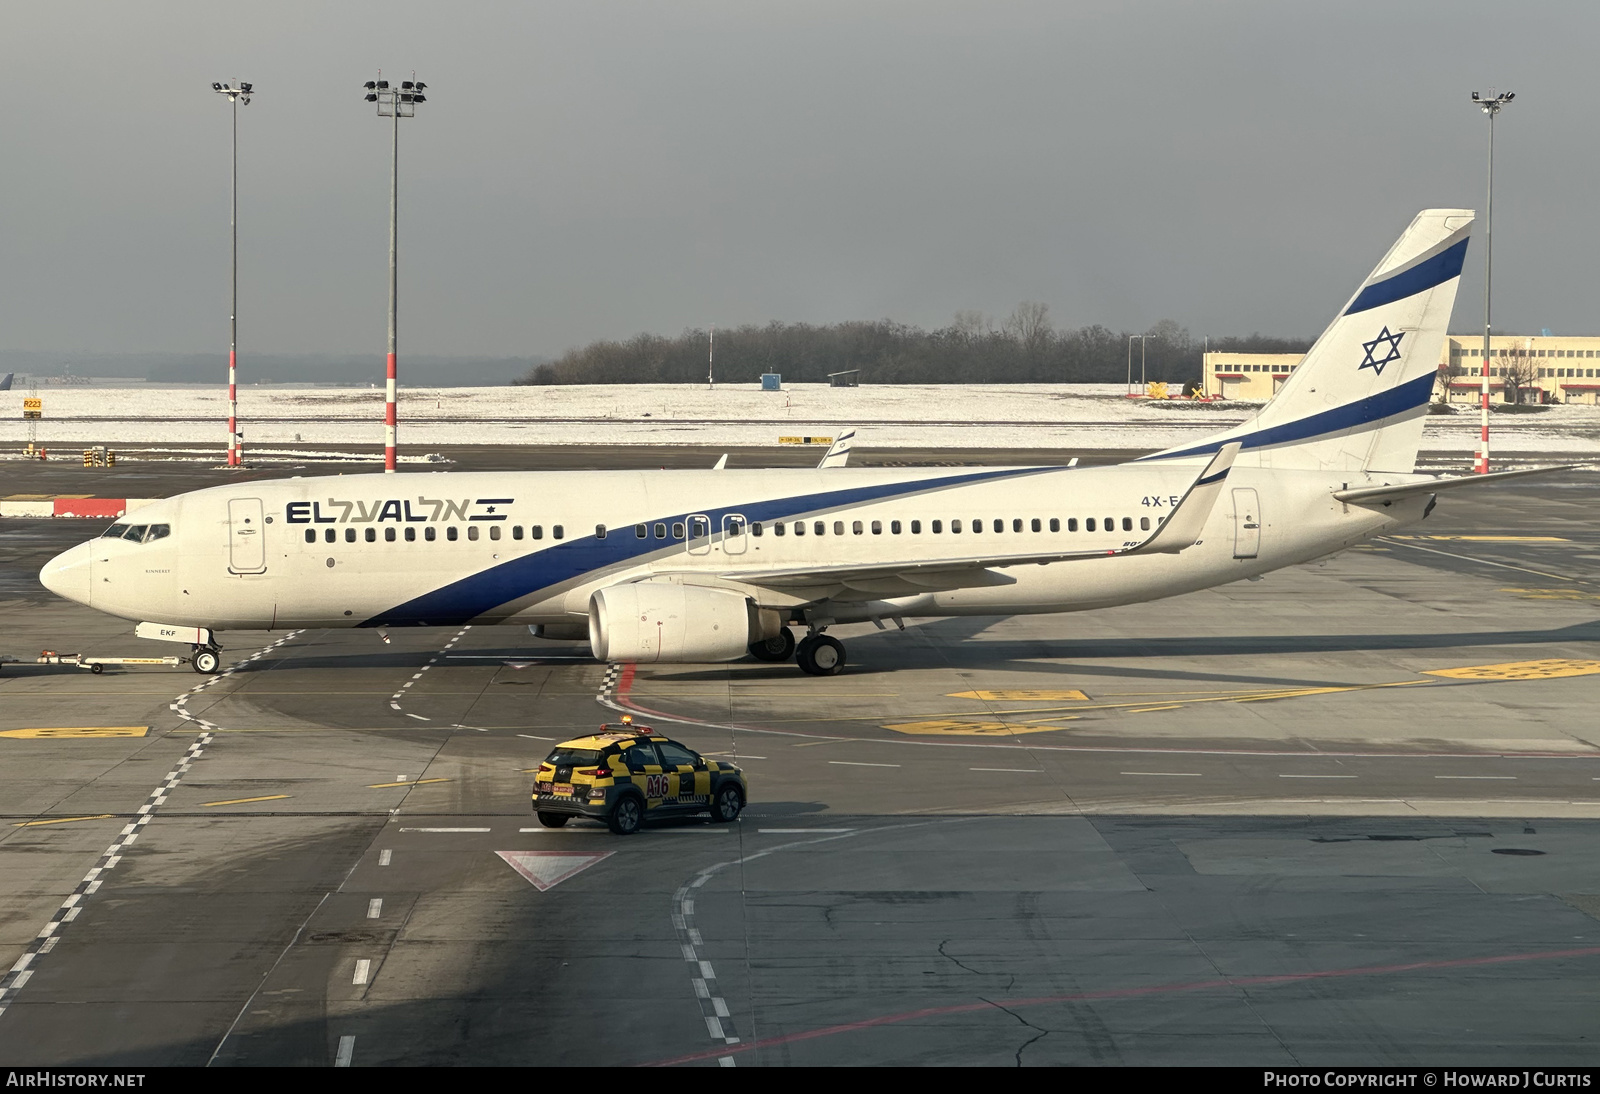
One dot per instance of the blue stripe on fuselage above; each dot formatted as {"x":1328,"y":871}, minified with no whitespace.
{"x":1419,"y":278}
{"x":1371,"y":411}
{"x":465,"y":600}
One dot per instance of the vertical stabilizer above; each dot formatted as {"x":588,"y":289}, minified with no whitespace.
{"x":1358,"y":399}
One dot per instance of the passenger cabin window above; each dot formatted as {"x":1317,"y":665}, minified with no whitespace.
{"x":372,"y":535}
{"x":1072,"y":525}
{"x":877,"y":527}
{"x":328,"y":536}
{"x":472,"y":532}
{"x":916,"y":527}
{"x":677,"y":529}
{"x":388,"y":535}
{"x":838,"y":527}
{"x":779,"y":528}
{"x":819,"y":528}
{"x":1144,"y":524}
{"x":450,"y":533}
{"x":411,"y":534}
{"x":641,"y":531}
{"x":935,"y":527}
{"x":1127,"y":524}
{"x":1035,"y":524}
{"x":534,"y":530}
{"x":894,"y":527}
{"x":557,"y":532}
{"x":599,"y":531}
{"x":977,"y":525}
{"x":855,"y":527}
{"x":516,"y":531}
{"x":1016,"y":525}
{"x":311,"y":535}
{"x":1055,"y":525}
{"x":799,"y":527}
{"x":755,"y":528}
{"x":1088,"y":524}
{"x":350,"y":535}
{"x":955,"y":526}
{"x":430,"y":533}
{"x":1111,"y":524}
{"x":494,"y":531}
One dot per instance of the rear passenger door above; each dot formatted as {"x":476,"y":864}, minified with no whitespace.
{"x":685,"y":771}
{"x":645,"y":772}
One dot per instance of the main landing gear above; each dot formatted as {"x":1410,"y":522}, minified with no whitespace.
{"x":816,"y":653}
{"x":206,"y":659}
{"x":819,"y":655}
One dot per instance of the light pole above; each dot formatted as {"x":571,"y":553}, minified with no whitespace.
{"x":393,"y":102}
{"x":1490,"y":106}
{"x":235,"y":95}
{"x":1141,"y":338}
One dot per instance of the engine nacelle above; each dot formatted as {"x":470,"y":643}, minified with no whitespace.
{"x":657,"y":621}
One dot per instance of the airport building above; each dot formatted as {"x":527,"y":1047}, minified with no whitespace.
{"x":1544,"y":369}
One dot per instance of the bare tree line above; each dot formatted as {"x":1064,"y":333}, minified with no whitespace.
{"x":1025,"y":347}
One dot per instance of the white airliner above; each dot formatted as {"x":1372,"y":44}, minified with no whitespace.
{"x":704,"y":566}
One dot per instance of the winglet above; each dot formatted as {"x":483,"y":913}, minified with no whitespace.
{"x":838,"y":453}
{"x":1188,"y":520}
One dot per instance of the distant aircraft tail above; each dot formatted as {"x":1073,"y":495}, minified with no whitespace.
{"x":1358,"y":399}
{"x":838,"y":453}
{"x":5,"y":381}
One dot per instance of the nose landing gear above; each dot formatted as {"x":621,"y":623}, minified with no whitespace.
{"x":819,"y":655}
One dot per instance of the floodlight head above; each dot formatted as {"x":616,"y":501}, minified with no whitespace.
{"x":1510,"y":95}
{"x":419,"y":98}
{"x":1475,"y":97}
{"x":371,"y":98}
{"x":216,"y":86}
{"x":405,"y":85}
{"x":383,"y":84}
{"x":245,"y":88}
{"x":421,"y":85}
{"x":369,"y":85}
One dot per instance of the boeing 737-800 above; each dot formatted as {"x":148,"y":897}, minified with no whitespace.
{"x":705,"y":566}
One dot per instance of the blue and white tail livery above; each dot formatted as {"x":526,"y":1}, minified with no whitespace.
{"x":1357,"y":401}
{"x":717,"y":564}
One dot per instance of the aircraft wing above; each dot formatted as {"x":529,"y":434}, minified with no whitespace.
{"x":1179,"y":530}
{"x":1363,"y":495}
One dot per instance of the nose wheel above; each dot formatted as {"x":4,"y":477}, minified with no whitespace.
{"x":206,"y":660}
{"x":819,"y":655}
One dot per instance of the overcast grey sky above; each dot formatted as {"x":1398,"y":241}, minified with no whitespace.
{"x":595,"y":169}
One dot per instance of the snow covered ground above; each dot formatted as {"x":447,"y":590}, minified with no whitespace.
{"x":1081,"y":416}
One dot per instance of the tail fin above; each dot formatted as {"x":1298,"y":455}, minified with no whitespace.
{"x":838,"y":453}
{"x":1358,"y":399}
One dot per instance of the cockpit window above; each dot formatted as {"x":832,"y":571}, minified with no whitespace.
{"x":136,"y":533}
{"x":158,"y":531}
{"x":116,"y":531}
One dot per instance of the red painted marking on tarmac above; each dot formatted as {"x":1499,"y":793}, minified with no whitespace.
{"x":1125,"y":993}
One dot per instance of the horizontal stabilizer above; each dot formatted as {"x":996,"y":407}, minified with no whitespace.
{"x":1362,"y":495}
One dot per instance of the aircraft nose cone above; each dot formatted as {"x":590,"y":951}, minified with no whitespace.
{"x":67,"y":575}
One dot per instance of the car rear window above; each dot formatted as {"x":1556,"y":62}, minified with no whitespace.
{"x":574,"y":757}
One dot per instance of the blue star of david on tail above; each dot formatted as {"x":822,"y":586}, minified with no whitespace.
{"x":1391,"y":351}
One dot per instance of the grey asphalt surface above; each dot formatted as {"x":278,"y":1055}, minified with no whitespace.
{"x":1247,"y":826}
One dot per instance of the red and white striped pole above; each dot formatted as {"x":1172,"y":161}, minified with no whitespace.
{"x":1490,"y":106}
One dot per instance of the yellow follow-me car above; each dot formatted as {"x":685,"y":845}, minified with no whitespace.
{"x":625,"y":772}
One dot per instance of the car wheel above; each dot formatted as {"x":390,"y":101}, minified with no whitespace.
{"x":821,"y":656}
{"x":726,"y":803}
{"x":553,"y":820}
{"x":627,"y":815}
{"x":776,"y":649}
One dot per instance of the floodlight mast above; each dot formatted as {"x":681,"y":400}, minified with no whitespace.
{"x":396,"y":103}
{"x":235,"y":95}
{"x":1490,"y":106}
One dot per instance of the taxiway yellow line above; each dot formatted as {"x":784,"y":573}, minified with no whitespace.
{"x":408,"y":782}
{"x":246,"y":801}
{"x":62,"y":820}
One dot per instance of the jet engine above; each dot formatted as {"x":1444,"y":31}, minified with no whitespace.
{"x":656,"y":621}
